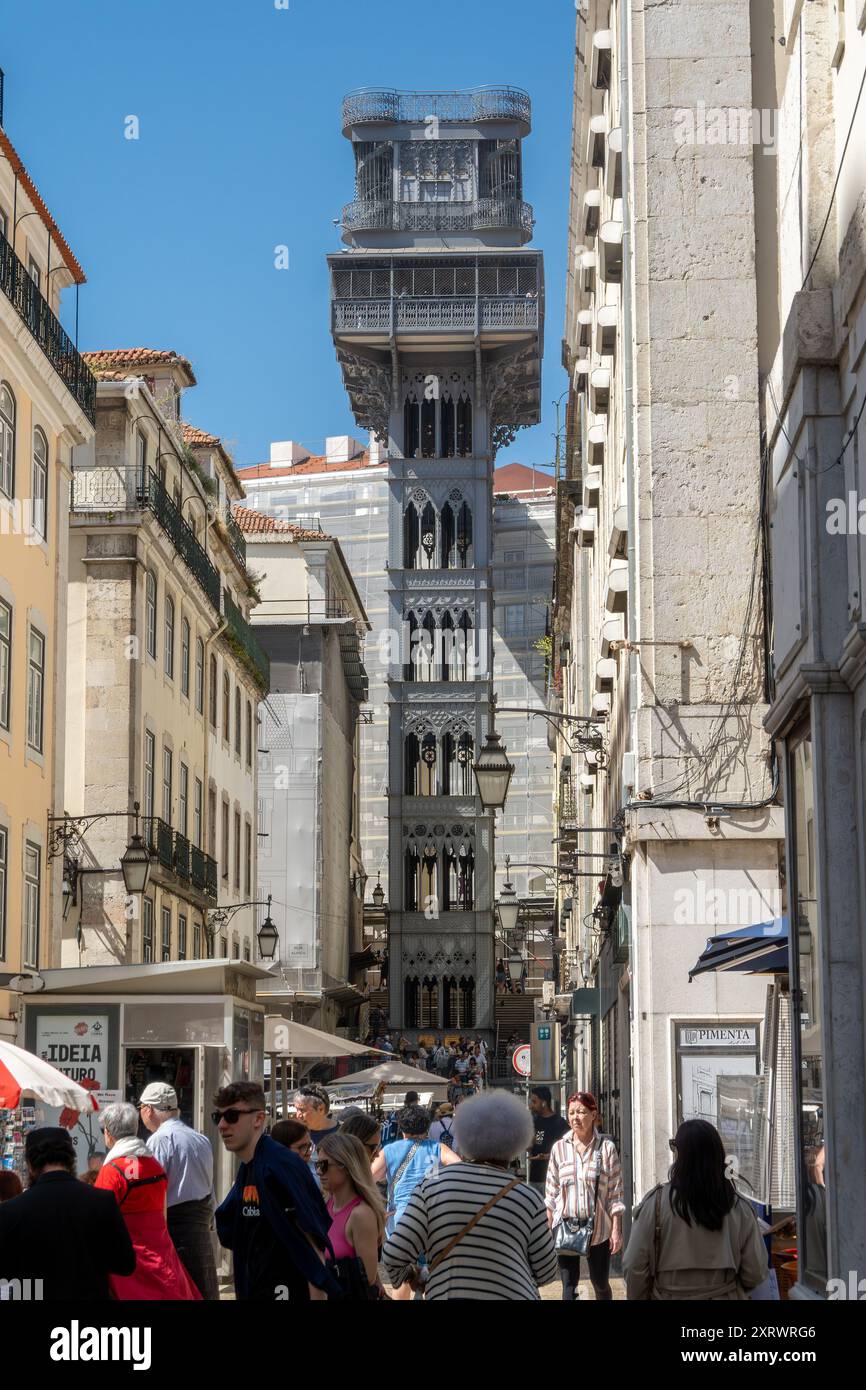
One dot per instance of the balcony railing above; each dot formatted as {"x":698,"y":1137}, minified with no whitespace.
{"x":483,"y":215}
{"x":177,"y":855}
{"x":203,"y":872}
{"x":486,"y":313}
{"x":237,"y":540}
{"x":481,"y":104}
{"x":107,"y":490}
{"x":247,"y":645}
{"x":31,"y":306}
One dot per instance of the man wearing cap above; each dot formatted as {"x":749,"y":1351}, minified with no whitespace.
{"x":187,"y":1158}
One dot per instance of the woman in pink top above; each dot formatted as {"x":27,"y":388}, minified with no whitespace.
{"x":356,"y":1210}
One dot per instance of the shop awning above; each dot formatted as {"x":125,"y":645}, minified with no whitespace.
{"x":758,"y":950}
{"x":396,"y":1076}
{"x":287,"y":1038}
{"x":169,"y":977}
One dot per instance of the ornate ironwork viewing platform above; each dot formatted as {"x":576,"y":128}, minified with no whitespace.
{"x":486,"y":214}
{"x":375,"y":106}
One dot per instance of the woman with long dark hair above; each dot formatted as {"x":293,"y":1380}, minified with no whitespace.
{"x":695,"y":1237}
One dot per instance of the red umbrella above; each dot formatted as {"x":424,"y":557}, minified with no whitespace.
{"x":23,"y":1075}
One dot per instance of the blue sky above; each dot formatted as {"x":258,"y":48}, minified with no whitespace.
{"x":240,"y":150}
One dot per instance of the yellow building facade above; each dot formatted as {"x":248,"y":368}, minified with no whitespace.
{"x":47,"y":403}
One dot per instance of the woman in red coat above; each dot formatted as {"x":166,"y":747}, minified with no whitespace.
{"x":140,"y":1184}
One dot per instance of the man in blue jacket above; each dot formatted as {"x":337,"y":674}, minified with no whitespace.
{"x":274,"y":1219}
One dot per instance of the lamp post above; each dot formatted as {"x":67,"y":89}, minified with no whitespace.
{"x":508,"y":904}
{"x":493,"y":773}
{"x":267,"y":936}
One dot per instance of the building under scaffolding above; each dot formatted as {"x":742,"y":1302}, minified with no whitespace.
{"x":344,"y":492}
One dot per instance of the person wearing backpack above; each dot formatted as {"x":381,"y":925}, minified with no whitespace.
{"x":442,"y":1128}
{"x":405,"y":1163}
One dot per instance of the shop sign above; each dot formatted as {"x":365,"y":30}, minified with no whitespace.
{"x":76,"y":1044}
{"x":718,"y":1035}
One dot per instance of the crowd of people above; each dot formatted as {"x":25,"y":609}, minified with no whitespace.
{"x":429,"y":1204}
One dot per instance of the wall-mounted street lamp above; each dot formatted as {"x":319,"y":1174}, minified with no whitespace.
{"x":267,"y":936}
{"x":508,"y":903}
{"x":378,"y":892}
{"x":65,"y":836}
{"x":493,"y":773}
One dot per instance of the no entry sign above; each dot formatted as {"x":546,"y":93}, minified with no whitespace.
{"x":521,"y":1060}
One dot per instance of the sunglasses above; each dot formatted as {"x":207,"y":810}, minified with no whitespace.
{"x":323,"y":1164}
{"x":232,"y":1116}
{"x":305,"y":1149}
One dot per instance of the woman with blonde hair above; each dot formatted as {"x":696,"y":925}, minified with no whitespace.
{"x":357,"y":1214}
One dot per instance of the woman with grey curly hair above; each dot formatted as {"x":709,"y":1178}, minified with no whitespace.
{"x":139,"y":1185}
{"x":483,"y":1232}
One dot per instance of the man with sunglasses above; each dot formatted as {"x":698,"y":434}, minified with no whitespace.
{"x":274,"y":1219}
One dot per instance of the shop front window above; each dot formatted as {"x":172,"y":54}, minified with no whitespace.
{"x":812,"y":1249}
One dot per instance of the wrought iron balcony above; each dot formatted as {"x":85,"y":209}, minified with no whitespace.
{"x":404,"y":315}
{"x":237,"y":539}
{"x":107,"y":490}
{"x":203,"y":872}
{"x":31,"y":306}
{"x":177,"y":855}
{"x":485,"y":214}
{"x":159,"y":838}
{"x":374,"y":105}
{"x":246,"y":644}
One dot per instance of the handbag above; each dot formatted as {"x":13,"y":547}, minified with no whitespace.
{"x":414,"y":1276}
{"x":573,"y":1235}
{"x":352,"y":1278}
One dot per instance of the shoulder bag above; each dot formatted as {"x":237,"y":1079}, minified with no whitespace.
{"x":573,"y":1235}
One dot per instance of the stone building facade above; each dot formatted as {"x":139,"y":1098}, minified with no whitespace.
{"x":164,"y":679}
{"x":669,"y":789}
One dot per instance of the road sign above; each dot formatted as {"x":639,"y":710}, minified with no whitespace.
{"x":521,"y":1059}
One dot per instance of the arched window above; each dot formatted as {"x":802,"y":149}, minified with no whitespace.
{"x":7,"y":440}
{"x":429,"y":761}
{"x":411,"y":427}
{"x":422,"y":648}
{"x":411,"y":865}
{"x":420,"y":876}
{"x":150,"y":613}
{"x":411,"y":762}
{"x":447,"y":422}
{"x":169,"y":637}
{"x":419,"y":537}
{"x":456,"y":535}
{"x":421,"y":765}
{"x":466,"y":1001}
{"x":40,"y":484}
{"x":429,"y":1002}
{"x":411,"y":1001}
{"x":461,"y":664}
{"x":458,"y":878}
{"x":457,"y":754}
{"x":464,"y":426}
{"x":458,"y":1002}
{"x":428,"y":428}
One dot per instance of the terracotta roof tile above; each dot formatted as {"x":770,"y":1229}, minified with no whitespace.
{"x":317,"y":463}
{"x":258,"y":524}
{"x":36,"y":199}
{"x":197,"y":438}
{"x":109,"y":358}
{"x":516,"y":477}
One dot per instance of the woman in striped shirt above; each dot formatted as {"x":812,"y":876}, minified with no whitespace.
{"x":584,"y":1178}
{"x":484,"y":1232}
